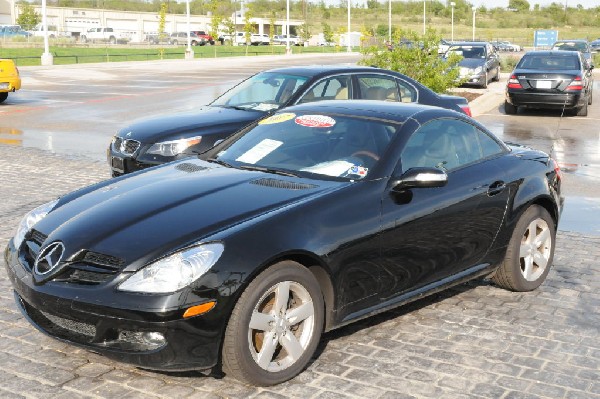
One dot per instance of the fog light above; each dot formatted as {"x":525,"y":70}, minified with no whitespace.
{"x":153,"y":338}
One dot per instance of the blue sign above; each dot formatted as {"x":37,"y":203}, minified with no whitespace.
{"x":545,"y":38}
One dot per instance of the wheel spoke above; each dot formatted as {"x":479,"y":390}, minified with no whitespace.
{"x":292,"y":346}
{"x":301,"y":313}
{"x":528,"y":260}
{"x":540,"y":259}
{"x":531,"y":231}
{"x":266,"y":352}
{"x":282,"y":295}
{"x":261,"y":321}
{"x":541,"y":238}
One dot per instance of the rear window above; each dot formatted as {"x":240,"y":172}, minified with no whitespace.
{"x":549,"y":62}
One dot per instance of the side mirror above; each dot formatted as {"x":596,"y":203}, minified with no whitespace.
{"x":420,"y":178}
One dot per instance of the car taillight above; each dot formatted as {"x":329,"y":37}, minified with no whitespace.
{"x":576,"y":84}
{"x":513,"y":83}
{"x":466,"y":109}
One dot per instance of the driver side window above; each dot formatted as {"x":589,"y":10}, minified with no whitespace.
{"x":333,"y":88}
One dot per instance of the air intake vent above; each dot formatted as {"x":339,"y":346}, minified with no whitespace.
{"x":106,"y":261}
{"x":190,"y":167}
{"x":38,"y":237}
{"x":275,"y":183}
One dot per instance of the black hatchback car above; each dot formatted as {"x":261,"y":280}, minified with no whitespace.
{"x":317,"y":216}
{"x":551,"y":79}
{"x":154,"y":141}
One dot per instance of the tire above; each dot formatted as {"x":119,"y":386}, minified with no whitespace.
{"x":174,"y":42}
{"x":510,"y":109}
{"x":485,"y":81}
{"x":590,"y":97}
{"x":243,"y":345}
{"x":84,"y":39}
{"x":530,"y":252}
{"x":112,"y":40}
{"x":583,"y":110}
{"x":496,"y":78}
{"x":3,"y":96}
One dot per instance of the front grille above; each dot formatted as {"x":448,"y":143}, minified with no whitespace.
{"x":276,"y":183}
{"x":77,"y":327}
{"x":37,"y":237}
{"x":111,"y":262}
{"x":125,"y":146}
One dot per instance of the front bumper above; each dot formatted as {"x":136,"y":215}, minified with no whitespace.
{"x":545,"y":100}
{"x":129,"y":335}
{"x":477,"y":79}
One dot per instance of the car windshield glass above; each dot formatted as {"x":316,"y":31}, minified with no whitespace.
{"x":549,"y":62}
{"x":312,"y":144}
{"x":262,"y":92}
{"x":467,"y":51}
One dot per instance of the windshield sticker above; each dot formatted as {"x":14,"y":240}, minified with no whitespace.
{"x":358,"y":171}
{"x":259,"y":151}
{"x":286,"y":116}
{"x":332,"y":168}
{"x":315,"y":121}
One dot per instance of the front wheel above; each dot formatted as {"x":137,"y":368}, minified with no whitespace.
{"x":3,"y":96}
{"x":484,"y":85}
{"x":496,"y":77}
{"x":530,"y":252}
{"x":275,"y":326}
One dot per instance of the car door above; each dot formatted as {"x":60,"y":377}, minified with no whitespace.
{"x":432,"y":233}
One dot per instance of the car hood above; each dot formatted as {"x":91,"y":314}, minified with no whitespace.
{"x":471,"y":62}
{"x":140,"y":217}
{"x":176,"y":126}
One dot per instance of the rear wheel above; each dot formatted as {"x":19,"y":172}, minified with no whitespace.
{"x":112,"y":40}
{"x":583,"y":110}
{"x":530,"y":252}
{"x":509,"y":108}
{"x":275,"y":326}
{"x":590,"y":95}
{"x":497,"y":76}
{"x":3,"y":96}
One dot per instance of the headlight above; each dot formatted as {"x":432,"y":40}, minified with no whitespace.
{"x":174,"y":147}
{"x":29,"y":220}
{"x":477,"y":70}
{"x":175,"y":271}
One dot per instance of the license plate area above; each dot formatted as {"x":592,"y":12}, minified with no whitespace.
{"x":117,"y":164}
{"x":543,"y":84}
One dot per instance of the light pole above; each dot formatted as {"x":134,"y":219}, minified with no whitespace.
{"x":189,"y":53}
{"x":348,"y":46}
{"x":424,"y":16}
{"x":288,"y":50}
{"x":452,"y":4}
{"x":474,"y":9}
{"x":47,"y":58}
{"x":390,"y":21}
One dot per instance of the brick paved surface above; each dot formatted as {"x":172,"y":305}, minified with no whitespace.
{"x":474,"y":341}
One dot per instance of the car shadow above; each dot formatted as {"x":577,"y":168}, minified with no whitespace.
{"x":543,"y":113}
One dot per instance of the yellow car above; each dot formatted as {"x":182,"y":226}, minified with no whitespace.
{"x":9,"y":78}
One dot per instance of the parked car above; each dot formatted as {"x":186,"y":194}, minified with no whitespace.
{"x":105,"y":34}
{"x":178,"y":38}
{"x":315,"y":217}
{"x":506,"y":46}
{"x":12,"y":31}
{"x":575,"y":45}
{"x":158,"y":38}
{"x":595,"y":46}
{"x":551,"y":79}
{"x":203,"y":35}
{"x":480,"y":62}
{"x":162,"y":139}
{"x":260,"y":39}
{"x":443,"y":46}
{"x":10,"y":81}
{"x":53,"y":32}
{"x":283,"y":39}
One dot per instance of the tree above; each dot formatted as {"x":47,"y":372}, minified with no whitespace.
{"x":419,"y":61}
{"x":304,"y":32}
{"x":327,"y":33}
{"x":215,"y":19}
{"x":28,"y":18}
{"x":519,"y":5}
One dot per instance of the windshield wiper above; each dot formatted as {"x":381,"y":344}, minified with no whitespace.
{"x":269,"y":170}
{"x":218,"y":161}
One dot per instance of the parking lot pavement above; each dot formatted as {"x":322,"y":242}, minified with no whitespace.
{"x":474,"y":341}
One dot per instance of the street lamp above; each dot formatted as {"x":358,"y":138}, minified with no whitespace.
{"x":390,"y":21}
{"x":424,"y":16}
{"x":348,"y":47}
{"x":474,"y":9}
{"x":452,"y":4}
{"x":47,"y":58}
{"x":189,"y":53}
{"x":288,"y":51}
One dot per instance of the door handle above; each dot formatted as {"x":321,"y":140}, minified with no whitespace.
{"x":496,"y":188}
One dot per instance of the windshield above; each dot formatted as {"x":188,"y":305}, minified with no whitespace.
{"x":570,"y":46}
{"x":265,"y":91}
{"x":549,"y":62}
{"x":467,"y":51}
{"x":312,"y":144}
